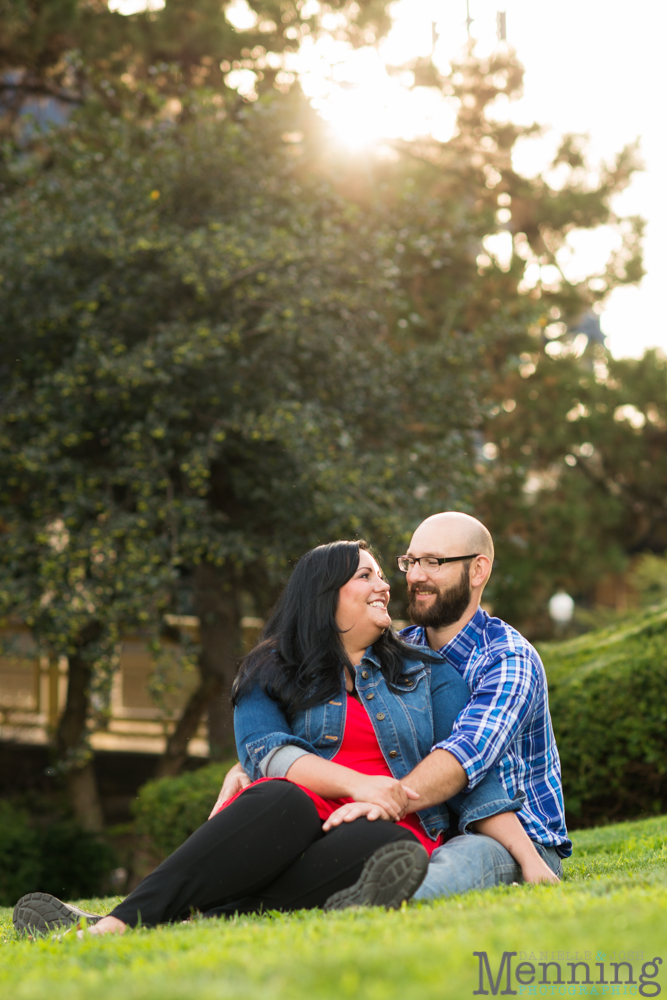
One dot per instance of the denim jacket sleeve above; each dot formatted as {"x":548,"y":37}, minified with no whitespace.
{"x":449,"y":694}
{"x":260,"y":728}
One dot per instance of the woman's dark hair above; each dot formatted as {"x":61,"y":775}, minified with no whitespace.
{"x":299,"y":656}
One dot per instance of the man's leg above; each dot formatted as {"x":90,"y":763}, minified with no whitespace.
{"x":472,"y":862}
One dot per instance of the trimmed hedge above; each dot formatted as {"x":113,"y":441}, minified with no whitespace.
{"x":608,"y":696}
{"x":168,"y":810}
{"x":59,"y":858}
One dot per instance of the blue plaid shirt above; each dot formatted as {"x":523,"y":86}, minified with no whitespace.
{"x":506,"y":723}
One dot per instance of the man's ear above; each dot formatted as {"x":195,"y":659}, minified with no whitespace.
{"x":480,"y":571}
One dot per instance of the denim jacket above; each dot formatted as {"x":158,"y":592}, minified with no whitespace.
{"x":407,"y":721}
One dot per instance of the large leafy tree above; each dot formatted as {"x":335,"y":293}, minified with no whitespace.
{"x":229,"y":342}
{"x":201,"y":384}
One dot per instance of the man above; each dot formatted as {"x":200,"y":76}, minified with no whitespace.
{"x":506,"y":723}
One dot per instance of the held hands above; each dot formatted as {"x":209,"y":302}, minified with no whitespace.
{"x":235,"y":780}
{"x":388,"y":794}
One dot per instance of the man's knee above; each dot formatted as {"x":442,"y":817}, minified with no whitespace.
{"x":468,"y":862}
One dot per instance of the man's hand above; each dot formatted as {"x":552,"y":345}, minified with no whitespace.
{"x":353,"y":810}
{"x":506,"y":828}
{"x":392,"y":797}
{"x":537,"y":870}
{"x":235,"y":780}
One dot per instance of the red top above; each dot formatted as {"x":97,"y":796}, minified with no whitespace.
{"x":360,"y":751}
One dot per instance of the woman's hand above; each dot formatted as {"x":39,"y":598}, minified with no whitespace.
{"x":353,"y":810}
{"x":387,"y":793}
{"x":235,"y":780}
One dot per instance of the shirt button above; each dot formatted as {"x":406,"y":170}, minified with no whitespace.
{"x":393,"y":753}
{"x":433,"y":831}
{"x":380,"y":716}
{"x":408,"y":682}
{"x":364,"y":674}
{"x":370,"y":696}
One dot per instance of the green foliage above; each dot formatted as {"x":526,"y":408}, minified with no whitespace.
{"x":20,"y":861}
{"x":59,"y":857}
{"x":424,"y":950}
{"x":581,"y":465}
{"x":203,"y":375}
{"x":606,"y":692}
{"x":80,"y":53}
{"x":170,"y":809}
{"x":649,"y":578}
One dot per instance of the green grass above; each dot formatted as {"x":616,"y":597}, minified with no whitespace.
{"x":613,"y":897}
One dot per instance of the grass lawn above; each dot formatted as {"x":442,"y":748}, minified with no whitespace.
{"x":613,"y":899}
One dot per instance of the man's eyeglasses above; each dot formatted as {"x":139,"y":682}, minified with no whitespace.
{"x":429,"y":564}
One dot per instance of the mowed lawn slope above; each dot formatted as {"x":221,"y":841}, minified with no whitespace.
{"x":613,"y":898}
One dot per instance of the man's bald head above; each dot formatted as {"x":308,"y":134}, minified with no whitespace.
{"x":452,"y":534}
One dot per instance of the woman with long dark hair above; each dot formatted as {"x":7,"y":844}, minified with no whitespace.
{"x":332,"y":711}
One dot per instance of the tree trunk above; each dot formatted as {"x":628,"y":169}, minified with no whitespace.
{"x":174,"y":756}
{"x":216,"y":605}
{"x":80,"y":778}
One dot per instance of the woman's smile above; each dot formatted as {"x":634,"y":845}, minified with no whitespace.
{"x":362,"y":604}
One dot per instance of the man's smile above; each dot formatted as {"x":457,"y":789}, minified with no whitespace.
{"x":420,"y":594}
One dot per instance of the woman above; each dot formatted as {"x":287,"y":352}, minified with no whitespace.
{"x":332,"y":710}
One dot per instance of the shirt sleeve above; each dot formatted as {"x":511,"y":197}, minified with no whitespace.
{"x":498,"y":708}
{"x":278,"y":761}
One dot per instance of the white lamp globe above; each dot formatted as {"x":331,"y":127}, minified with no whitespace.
{"x":561,"y":607}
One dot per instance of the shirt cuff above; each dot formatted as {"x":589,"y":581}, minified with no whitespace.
{"x":468,"y":756}
{"x":277,"y":762}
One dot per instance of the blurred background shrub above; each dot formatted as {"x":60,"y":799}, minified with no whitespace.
{"x":607,"y":696}
{"x":57,"y":857}
{"x":168,"y":810}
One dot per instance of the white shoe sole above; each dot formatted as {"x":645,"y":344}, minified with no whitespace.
{"x":40,"y":912}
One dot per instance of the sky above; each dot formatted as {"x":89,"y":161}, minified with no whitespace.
{"x":592,"y":66}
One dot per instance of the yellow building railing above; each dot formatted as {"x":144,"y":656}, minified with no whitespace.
{"x":33,"y":691}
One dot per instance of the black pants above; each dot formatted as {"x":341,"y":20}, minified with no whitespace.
{"x":266,"y":851}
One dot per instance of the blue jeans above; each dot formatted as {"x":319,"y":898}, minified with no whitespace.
{"x":474,"y":861}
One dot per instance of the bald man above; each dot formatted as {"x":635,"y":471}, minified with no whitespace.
{"x":506,"y":724}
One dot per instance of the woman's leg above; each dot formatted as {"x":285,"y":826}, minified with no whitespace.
{"x":330,"y":864}
{"x":242,"y":849}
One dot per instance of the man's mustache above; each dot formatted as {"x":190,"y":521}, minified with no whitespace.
{"x":422,"y":590}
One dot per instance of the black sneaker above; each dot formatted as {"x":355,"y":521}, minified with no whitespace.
{"x":39,"y":912}
{"x":392,"y":874}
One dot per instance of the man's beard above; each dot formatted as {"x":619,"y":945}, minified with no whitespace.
{"x":447,"y":608}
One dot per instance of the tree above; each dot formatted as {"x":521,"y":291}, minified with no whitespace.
{"x":75,"y":53}
{"x":202,"y":390}
{"x":236,"y":343}
{"x":580,"y":449}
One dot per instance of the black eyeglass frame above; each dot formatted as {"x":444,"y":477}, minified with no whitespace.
{"x":439,"y":561}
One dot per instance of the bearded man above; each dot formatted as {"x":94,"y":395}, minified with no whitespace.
{"x":506,"y":724}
